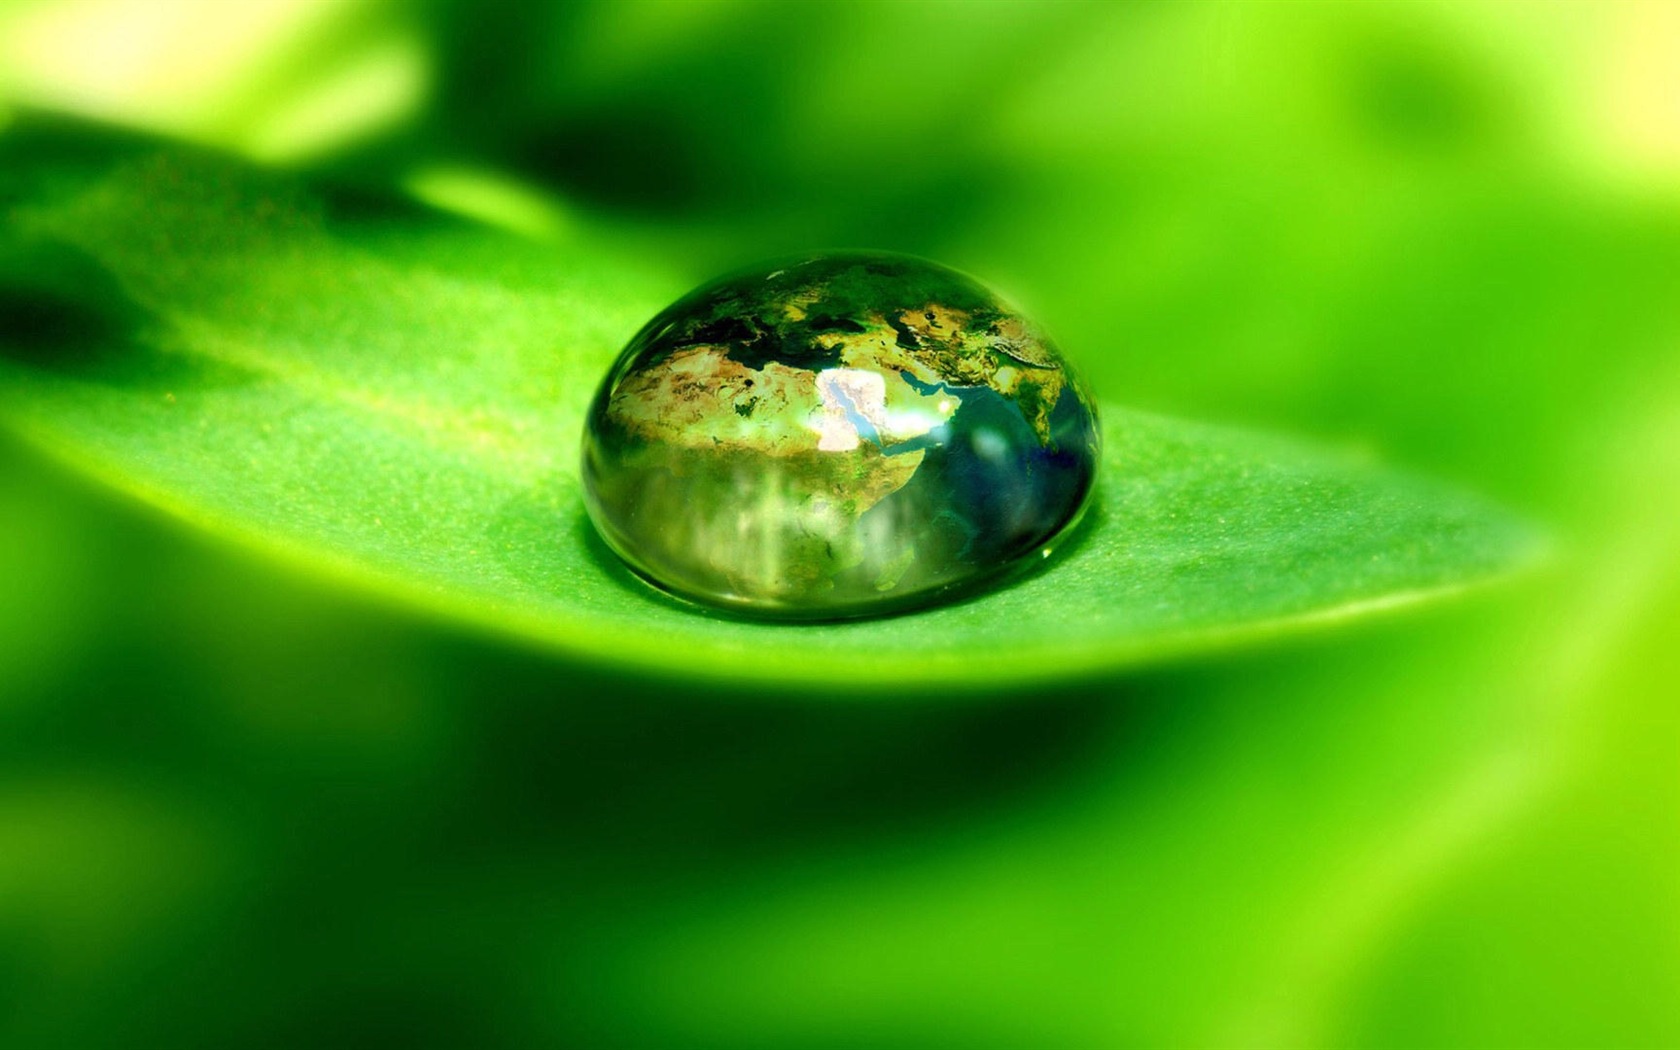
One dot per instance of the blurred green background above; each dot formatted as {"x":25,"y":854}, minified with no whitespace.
{"x":240,"y":807}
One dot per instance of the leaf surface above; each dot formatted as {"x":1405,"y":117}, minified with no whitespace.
{"x":394,"y":396}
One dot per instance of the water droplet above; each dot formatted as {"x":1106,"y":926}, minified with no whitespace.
{"x":847,"y":435}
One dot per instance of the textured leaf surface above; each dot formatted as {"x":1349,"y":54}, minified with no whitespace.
{"x":395,"y":396}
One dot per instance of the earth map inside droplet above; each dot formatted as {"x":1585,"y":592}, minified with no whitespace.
{"x":837,"y":436}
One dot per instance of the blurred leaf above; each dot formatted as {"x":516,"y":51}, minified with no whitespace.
{"x":395,"y":396}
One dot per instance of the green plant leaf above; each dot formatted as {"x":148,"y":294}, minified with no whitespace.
{"x":394,"y":396}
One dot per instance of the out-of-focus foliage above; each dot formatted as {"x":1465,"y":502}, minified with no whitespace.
{"x":236,"y":808}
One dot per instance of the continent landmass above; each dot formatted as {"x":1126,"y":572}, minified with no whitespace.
{"x":926,"y":334}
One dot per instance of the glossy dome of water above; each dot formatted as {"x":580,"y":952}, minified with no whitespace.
{"x":837,"y":436}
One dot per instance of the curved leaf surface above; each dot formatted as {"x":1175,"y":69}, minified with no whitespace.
{"x":393,"y":395}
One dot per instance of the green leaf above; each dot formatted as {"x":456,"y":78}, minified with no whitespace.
{"x":394,"y":396}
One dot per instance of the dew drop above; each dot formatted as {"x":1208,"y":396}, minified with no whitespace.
{"x":847,"y":435}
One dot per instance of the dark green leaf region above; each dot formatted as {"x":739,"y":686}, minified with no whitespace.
{"x":837,"y":436}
